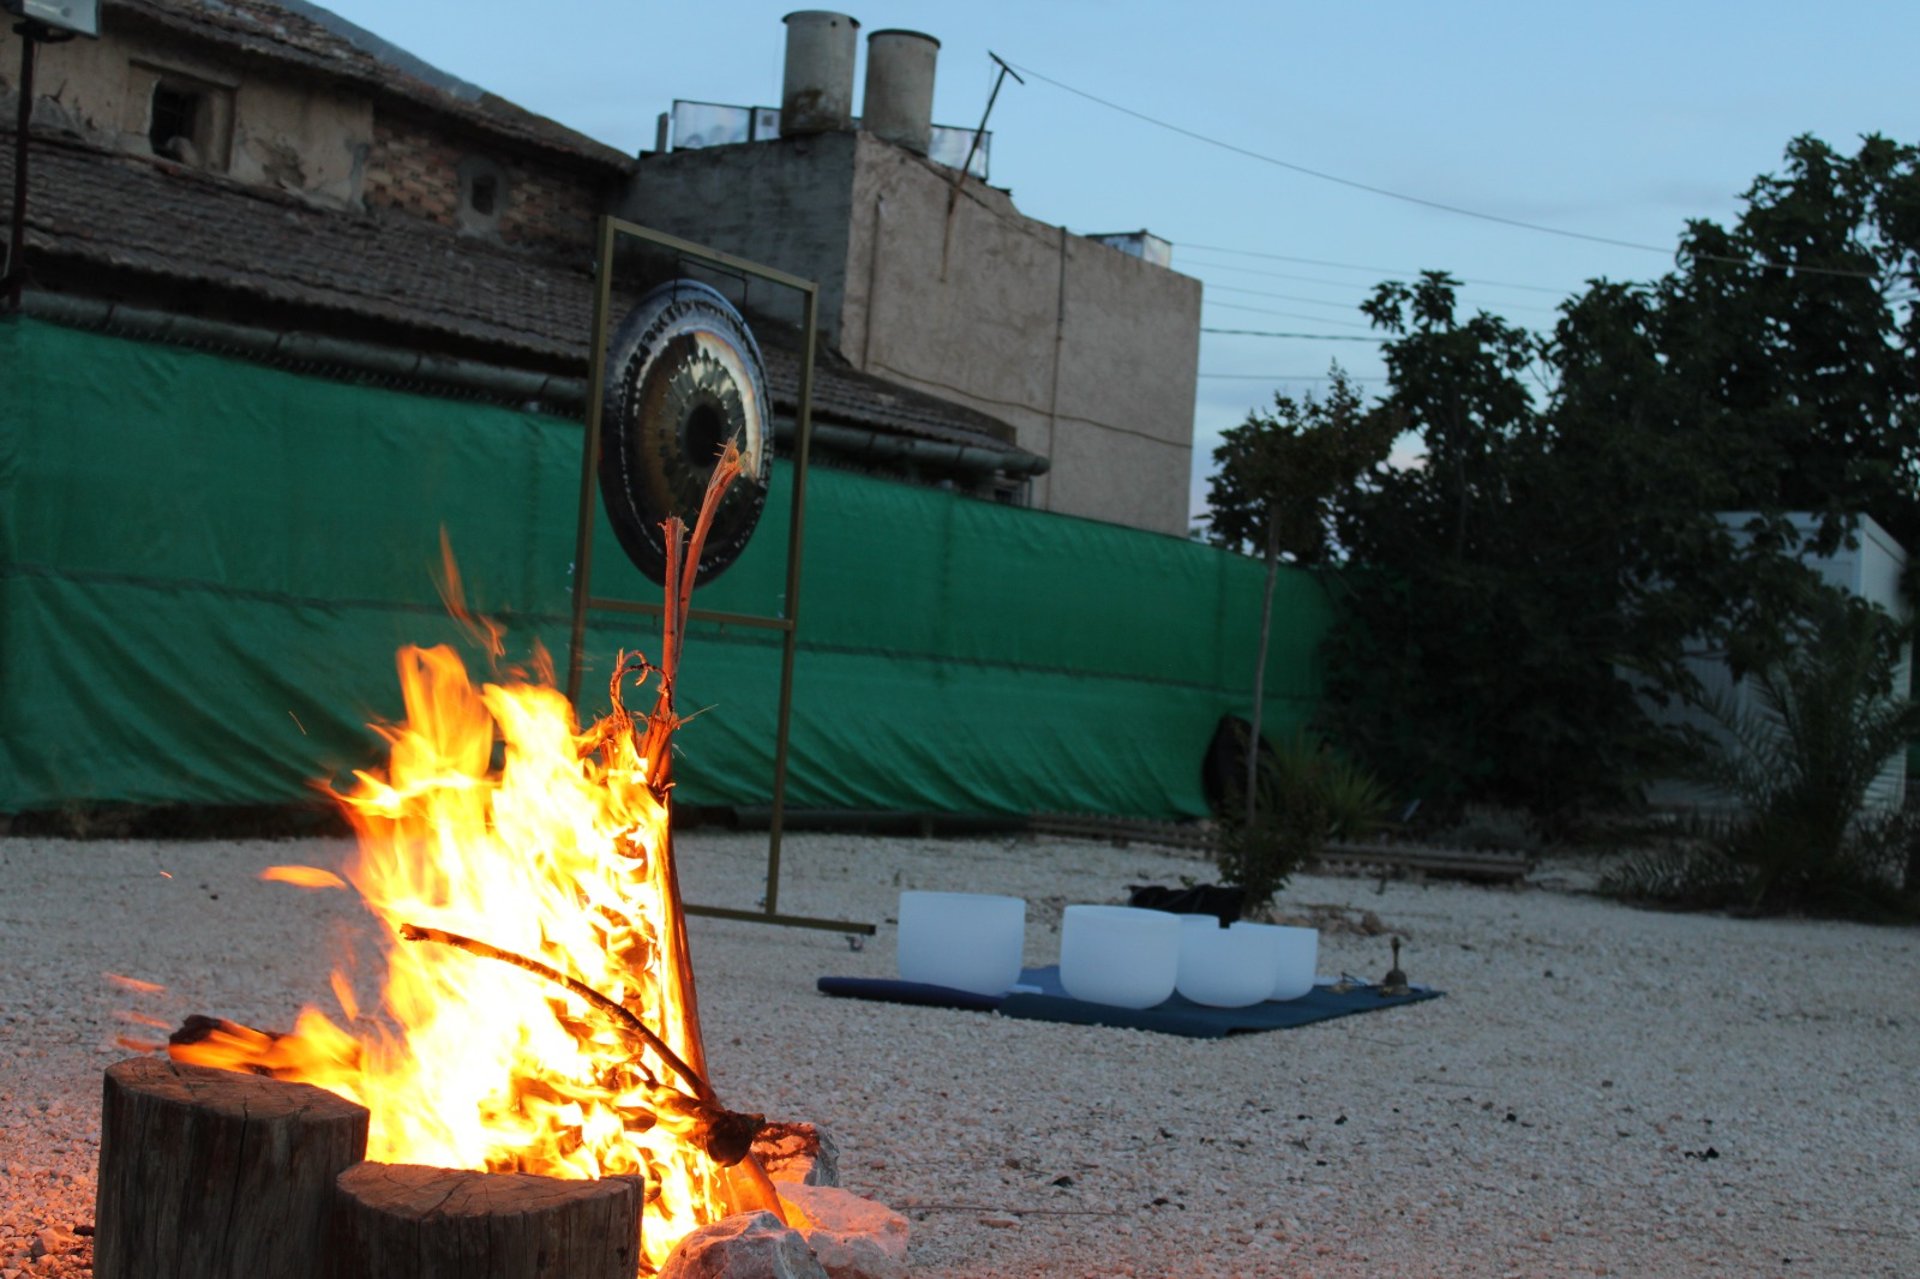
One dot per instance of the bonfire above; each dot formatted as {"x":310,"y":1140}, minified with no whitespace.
{"x":538,"y":1013}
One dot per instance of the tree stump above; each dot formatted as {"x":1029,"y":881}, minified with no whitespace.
{"x":213,"y":1174}
{"x":434,"y":1223}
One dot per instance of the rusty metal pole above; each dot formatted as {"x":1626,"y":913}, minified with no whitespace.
{"x":797,"y":527}
{"x":590,"y":461}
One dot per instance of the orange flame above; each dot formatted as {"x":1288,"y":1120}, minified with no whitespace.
{"x":303,"y":876}
{"x":559,"y":856}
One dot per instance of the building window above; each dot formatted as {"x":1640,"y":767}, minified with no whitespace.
{"x":483,"y":195}
{"x":174,"y":112}
{"x":189,"y":120}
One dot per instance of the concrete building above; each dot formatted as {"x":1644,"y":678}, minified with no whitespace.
{"x":264,"y":163}
{"x":933,"y":279}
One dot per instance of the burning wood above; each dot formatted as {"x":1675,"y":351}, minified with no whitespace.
{"x":562,"y":859}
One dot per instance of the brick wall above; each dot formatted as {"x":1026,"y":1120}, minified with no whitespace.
{"x":415,"y":169}
{"x":548,"y":207}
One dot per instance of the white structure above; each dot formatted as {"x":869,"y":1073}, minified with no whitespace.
{"x":1870,"y":570}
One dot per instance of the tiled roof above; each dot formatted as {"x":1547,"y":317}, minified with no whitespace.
{"x":160,"y":225}
{"x":305,"y":35}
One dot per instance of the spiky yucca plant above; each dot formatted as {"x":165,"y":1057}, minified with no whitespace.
{"x":1305,"y":794}
{"x":1800,"y":762}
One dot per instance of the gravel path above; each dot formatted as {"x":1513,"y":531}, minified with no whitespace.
{"x":1604,"y":1091}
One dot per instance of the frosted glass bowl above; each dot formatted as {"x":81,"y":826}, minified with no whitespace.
{"x":967,"y":941}
{"x":1296,"y":956}
{"x":1224,"y":967}
{"x":1119,"y":955}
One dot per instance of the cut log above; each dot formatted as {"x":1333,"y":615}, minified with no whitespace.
{"x":435,"y":1223}
{"x":212,"y":1174}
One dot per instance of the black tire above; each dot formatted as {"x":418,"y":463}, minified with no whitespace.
{"x":684,"y":375}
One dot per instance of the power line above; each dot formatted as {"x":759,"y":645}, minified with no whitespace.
{"x":1284,"y":297}
{"x":1434,"y":204}
{"x":1290,"y":315}
{"x":1349,"y":306}
{"x":1347,"y":266}
{"x":1311,"y":337}
{"x":1291,"y":377}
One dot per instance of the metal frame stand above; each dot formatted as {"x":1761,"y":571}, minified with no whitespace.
{"x":789,"y":623}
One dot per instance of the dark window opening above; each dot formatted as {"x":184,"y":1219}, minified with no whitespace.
{"x":484,"y":194}
{"x":176,"y":115}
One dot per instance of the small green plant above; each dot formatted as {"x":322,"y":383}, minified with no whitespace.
{"x":1305,"y":794}
{"x":1799,"y":763}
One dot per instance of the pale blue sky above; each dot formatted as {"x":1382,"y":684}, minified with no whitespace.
{"x":1618,"y":121}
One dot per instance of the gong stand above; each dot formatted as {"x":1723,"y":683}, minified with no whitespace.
{"x":788,"y":623}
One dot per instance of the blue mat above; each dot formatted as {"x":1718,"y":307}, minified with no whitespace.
{"x":1178,"y":1016}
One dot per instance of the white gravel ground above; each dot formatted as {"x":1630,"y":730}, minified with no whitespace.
{"x":1604,"y":1091}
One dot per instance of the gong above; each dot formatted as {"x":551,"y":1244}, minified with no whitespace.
{"x":684,"y":376}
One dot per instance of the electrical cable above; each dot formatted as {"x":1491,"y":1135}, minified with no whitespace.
{"x":1311,"y":337}
{"x":1283,"y":297}
{"x":1290,"y":315}
{"x":1292,"y":377}
{"x":1351,"y":306}
{"x":1345,"y":266}
{"x":1289,"y":165}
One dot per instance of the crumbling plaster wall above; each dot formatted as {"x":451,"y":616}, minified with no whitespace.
{"x":287,"y":132}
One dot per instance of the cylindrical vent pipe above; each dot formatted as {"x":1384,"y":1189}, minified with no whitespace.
{"x":899,"y":101}
{"x":816,"y":95}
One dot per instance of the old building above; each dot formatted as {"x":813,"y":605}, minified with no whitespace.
{"x":300,"y":307}
{"x":939,"y":283}
{"x":272,"y":165}
{"x":268,"y":178}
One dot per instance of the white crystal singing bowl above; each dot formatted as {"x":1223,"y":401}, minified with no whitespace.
{"x":1296,"y":957}
{"x":967,"y":941}
{"x":1119,"y":955}
{"x":1224,"y":967}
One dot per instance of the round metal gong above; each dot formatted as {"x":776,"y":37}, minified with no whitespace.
{"x":684,"y":376}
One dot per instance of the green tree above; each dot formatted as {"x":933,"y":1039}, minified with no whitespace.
{"x":1477,"y":636}
{"x":1777,"y":360}
{"x":1272,"y":493}
{"x":1512,"y":600}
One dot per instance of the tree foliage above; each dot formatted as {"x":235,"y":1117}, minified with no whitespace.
{"x":1276,"y":478}
{"x":1507,"y":604}
{"x":1277,"y":475}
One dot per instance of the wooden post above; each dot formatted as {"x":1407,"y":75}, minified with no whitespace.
{"x":435,"y":1223}
{"x":214,"y":1174}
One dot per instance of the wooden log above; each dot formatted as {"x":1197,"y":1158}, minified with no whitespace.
{"x":213,"y":1174}
{"x":393,"y":1220}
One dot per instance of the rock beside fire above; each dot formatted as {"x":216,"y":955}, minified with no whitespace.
{"x":751,"y":1245}
{"x":831,"y":1234}
{"x":854,"y":1238}
{"x":799,"y":1153}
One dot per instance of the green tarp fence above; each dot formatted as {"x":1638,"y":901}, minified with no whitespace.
{"x":206,"y":567}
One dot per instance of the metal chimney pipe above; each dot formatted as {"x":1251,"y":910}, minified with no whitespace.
{"x":899,"y":95}
{"x":816,"y":95}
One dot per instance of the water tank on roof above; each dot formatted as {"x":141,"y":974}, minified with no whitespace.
{"x":816,"y":94}
{"x":899,"y":96}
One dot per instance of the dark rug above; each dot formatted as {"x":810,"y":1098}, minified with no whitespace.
{"x":1178,"y":1016}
